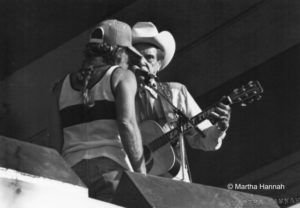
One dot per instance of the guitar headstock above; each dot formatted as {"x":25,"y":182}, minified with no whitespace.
{"x":246,"y":94}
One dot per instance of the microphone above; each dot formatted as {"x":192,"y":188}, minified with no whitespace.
{"x":144,"y":76}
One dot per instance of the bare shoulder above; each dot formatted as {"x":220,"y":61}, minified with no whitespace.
{"x":124,"y":77}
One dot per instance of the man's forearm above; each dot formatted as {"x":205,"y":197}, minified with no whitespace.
{"x":132,"y":142}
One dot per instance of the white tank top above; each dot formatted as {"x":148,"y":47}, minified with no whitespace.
{"x":91,"y":132}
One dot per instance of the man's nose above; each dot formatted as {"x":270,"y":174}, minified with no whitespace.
{"x":144,"y":64}
{"x":143,"y":61}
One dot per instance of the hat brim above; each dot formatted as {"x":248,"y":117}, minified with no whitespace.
{"x":165,"y":41}
{"x":135,"y":51}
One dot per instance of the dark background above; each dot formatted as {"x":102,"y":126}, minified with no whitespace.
{"x":221,"y":45}
{"x":261,"y":133}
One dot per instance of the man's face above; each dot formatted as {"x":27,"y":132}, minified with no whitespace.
{"x":150,"y":54}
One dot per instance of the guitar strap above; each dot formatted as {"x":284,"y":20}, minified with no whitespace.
{"x":169,"y":115}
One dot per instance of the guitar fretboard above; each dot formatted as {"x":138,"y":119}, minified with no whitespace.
{"x":201,"y":117}
{"x":172,"y":135}
{"x":164,"y":139}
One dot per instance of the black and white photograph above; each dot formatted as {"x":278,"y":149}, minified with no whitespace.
{"x":150,"y":103}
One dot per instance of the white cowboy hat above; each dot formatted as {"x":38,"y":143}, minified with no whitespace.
{"x":146,"y":32}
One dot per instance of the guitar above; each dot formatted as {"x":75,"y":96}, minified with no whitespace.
{"x":159,"y":154}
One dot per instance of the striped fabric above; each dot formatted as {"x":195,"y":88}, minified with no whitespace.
{"x":91,"y":132}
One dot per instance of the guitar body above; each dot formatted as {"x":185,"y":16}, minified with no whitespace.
{"x":162,"y":160}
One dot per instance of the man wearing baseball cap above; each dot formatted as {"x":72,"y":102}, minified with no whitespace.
{"x":94,"y":112}
{"x":158,"y":48}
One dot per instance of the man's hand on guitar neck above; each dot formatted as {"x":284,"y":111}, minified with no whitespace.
{"x":221,"y":116}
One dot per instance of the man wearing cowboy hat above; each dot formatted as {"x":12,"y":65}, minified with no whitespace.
{"x":93,"y":122}
{"x":158,"y":48}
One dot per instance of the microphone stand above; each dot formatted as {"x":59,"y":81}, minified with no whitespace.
{"x":183,"y":120}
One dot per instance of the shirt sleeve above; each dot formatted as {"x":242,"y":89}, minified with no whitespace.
{"x":213,"y":136}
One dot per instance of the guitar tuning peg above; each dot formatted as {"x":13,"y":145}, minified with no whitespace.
{"x":236,"y":91}
{"x":243,"y":104}
{"x":251,"y":83}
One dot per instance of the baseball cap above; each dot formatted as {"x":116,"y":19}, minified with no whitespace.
{"x":113,"y":33}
